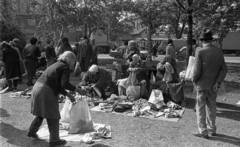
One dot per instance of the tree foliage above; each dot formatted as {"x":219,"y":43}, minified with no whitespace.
{"x":9,"y":31}
{"x":61,"y":16}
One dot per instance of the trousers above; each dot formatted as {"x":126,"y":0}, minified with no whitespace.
{"x":206,"y":111}
{"x":53,"y":127}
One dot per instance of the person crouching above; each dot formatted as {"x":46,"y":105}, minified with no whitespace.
{"x":98,"y":78}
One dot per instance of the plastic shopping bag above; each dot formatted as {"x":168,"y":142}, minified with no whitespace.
{"x":133,"y":92}
{"x":80,"y":118}
{"x":222,"y":91}
{"x":190,"y":67}
{"x":156,"y":96}
{"x":65,"y":113}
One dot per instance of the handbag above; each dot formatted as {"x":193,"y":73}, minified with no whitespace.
{"x":133,"y":91}
{"x":80,"y":118}
{"x":175,"y":91}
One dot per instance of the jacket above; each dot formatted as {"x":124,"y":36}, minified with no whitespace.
{"x":209,"y":67}
{"x":56,"y":77}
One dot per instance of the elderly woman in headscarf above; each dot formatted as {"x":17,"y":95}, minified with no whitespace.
{"x":12,"y":66}
{"x":45,"y":95}
{"x":98,"y":79}
{"x":139,"y":68}
{"x":14,"y":46}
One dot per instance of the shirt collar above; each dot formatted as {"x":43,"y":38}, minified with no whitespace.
{"x":207,"y":44}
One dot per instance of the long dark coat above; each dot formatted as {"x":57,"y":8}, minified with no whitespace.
{"x":85,"y":62}
{"x":45,"y":93}
{"x":12,"y":64}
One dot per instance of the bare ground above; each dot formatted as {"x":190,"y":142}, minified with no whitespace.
{"x":132,"y":131}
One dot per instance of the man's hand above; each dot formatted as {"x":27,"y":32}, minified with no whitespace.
{"x":216,"y":86}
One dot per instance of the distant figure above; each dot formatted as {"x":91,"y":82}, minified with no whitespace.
{"x":18,"y":45}
{"x":65,"y":46}
{"x":154,"y":49}
{"x":170,"y":49}
{"x":30,"y":54}
{"x":132,"y":49}
{"x":11,"y":62}
{"x":75,"y":48}
{"x":41,"y":48}
{"x":95,"y":53}
{"x":122,"y":50}
{"x":209,"y":72}
{"x":51,"y":56}
{"x":85,"y":54}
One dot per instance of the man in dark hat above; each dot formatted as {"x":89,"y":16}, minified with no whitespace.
{"x":209,"y":72}
{"x":85,"y":54}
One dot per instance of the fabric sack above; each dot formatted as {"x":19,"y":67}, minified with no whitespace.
{"x":190,"y":68}
{"x":176,"y":92}
{"x":3,"y":83}
{"x":65,"y":113}
{"x":133,"y":92}
{"x":80,"y":118}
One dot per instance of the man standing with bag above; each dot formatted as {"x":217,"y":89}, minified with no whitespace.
{"x":209,"y":72}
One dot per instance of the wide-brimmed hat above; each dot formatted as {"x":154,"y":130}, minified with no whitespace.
{"x":206,"y":34}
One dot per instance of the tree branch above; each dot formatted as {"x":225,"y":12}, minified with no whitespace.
{"x":181,"y":6}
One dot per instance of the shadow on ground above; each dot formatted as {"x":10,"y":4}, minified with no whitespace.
{"x":3,"y":113}
{"x":99,"y":145}
{"x":15,"y":136}
{"x":226,"y":139}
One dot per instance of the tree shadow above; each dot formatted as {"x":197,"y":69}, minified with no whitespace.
{"x":226,"y":139}
{"x":3,"y":113}
{"x":234,"y":115}
{"x":17,"y":137}
{"x":228,"y":106}
{"x":99,"y":145}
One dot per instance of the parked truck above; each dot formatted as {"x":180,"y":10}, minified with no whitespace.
{"x":231,"y":43}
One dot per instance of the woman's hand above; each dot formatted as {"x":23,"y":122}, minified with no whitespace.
{"x":71,"y":98}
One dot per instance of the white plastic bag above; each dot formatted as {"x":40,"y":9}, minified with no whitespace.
{"x":222,"y":91}
{"x":156,"y":96}
{"x":65,"y":113}
{"x":190,"y":67}
{"x":80,"y":118}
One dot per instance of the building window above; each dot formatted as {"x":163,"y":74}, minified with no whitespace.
{"x":31,"y":22}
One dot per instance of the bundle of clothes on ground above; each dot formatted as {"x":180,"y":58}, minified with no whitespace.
{"x":140,"y":107}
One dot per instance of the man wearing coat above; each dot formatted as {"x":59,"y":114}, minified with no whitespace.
{"x":209,"y":72}
{"x":98,"y":78}
{"x":85,"y":54}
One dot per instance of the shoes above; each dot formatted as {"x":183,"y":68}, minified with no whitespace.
{"x":201,"y":135}
{"x":57,"y":143}
{"x":212,"y":134}
{"x":33,"y":135}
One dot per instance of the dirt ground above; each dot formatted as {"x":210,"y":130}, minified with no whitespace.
{"x":133,"y":131}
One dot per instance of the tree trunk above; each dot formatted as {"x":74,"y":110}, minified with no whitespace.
{"x":189,"y":38}
{"x":149,"y":37}
{"x":85,"y":29}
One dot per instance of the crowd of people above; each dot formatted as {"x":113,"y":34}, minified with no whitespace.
{"x":209,"y":72}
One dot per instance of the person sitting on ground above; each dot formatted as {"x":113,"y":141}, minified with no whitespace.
{"x":98,"y":79}
{"x":45,"y":95}
{"x":141,"y":74}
